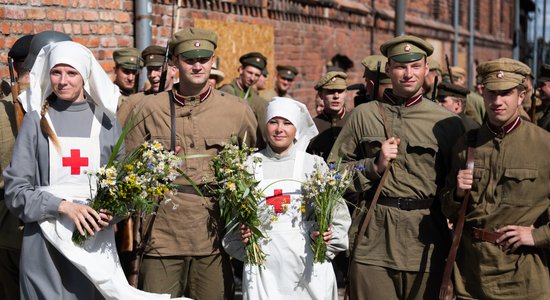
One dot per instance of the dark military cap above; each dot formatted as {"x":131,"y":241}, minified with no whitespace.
{"x":265,"y":73}
{"x":153,"y":56}
{"x":128,"y":58}
{"x":544,"y":74}
{"x":371,"y":63}
{"x":255,"y":59}
{"x":406,"y":48}
{"x":20,"y":49}
{"x":194,"y":43}
{"x":503,"y":74}
{"x":287,"y":72}
{"x":446,"y":88}
{"x":333,"y":80}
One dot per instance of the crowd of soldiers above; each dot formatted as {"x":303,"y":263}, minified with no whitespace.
{"x":427,"y":144}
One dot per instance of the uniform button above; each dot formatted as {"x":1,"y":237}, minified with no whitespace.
{"x":192,"y":145}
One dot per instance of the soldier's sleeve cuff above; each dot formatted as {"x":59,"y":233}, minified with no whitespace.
{"x":541,"y":236}
{"x":370,"y":173}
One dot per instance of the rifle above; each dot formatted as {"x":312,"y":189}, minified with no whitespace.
{"x":18,"y":107}
{"x":449,"y":69}
{"x":434,"y":88}
{"x":164,"y":71}
{"x":136,"y":79}
{"x":376,"y":82}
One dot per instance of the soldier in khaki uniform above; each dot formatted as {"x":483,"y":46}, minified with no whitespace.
{"x":331,"y":89}
{"x":128,"y":63}
{"x":185,"y":256}
{"x":501,"y":254}
{"x":260,"y":85}
{"x":403,"y":251}
{"x":153,"y":57}
{"x":453,"y":98}
{"x":250,"y":70}
{"x":283,"y":83}
{"x":371,"y":63}
{"x":474,"y":103}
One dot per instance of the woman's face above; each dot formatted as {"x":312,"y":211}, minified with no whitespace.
{"x":67,"y":83}
{"x":280,"y":134}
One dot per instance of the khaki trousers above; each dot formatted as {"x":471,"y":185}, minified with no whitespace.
{"x":373,"y":282}
{"x":197,"y":277}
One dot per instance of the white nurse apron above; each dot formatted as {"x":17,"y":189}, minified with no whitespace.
{"x":97,"y":258}
{"x":289,"y":271}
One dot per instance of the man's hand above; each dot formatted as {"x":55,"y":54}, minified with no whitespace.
{"x":515,"y":236}
{"x":464,"y":181}
{"x":388,"y":152}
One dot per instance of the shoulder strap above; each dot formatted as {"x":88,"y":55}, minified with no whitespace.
{"x":172,"y":121}
{"x":446,"y":290}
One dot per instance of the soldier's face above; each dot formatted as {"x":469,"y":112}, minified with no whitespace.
{"x":544,"y":91}
{"x":407,"y":78}
{"x":451,"y":104}
{"x":153,"y":75}
{"x":333,"y":100}
{"x":283,"y":84}
{"x":67,"y":83}
{"x":249,"y":75}
{"x":502,"y":106}
{"x":280,"y":134}
{"x":194,"y":71}
{"x":125,"y":78}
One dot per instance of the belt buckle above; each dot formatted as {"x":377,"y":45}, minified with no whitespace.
{"x":402,"y":204}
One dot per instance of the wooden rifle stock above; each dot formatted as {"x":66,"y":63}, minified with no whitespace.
{"x":164,"y":72}
{"x":18,"y":107}
{"x":434,"y":88}
{"x":533,"y":108}
{"x":376,"y":82}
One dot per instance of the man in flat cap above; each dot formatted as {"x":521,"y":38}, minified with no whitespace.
{"x":10,"y":231}
{"x":331,"y":89}
{"x":543,"y":87}
{"x":402,"y":254}
{"x":128,"y":63}
{"x":474,"y":103}
{"x":252,"y":65}
{"x":184,"y":255}
{"x":453,"y":98}
{"x":506,"y":231}
{"x":154,"y":58}
{"x":283,"y":83}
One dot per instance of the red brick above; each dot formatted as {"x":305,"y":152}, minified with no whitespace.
{"x":122,"y":17}
{"x":108,"y":42}
{"x":56,"y":14}
{"x":5,"y":28}
{"x":105,"y":28}
{"x":90,"y":15}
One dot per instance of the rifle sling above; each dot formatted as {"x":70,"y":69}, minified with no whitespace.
{"x":372,"y":206}
{"x":445,"y":292}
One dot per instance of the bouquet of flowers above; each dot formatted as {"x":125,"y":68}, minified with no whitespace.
{"x":322,"y":190}
{"x":138,"y":182}
{"x":239,"y":196}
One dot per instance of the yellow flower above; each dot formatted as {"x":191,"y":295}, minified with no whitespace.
{"x":231,"y":186}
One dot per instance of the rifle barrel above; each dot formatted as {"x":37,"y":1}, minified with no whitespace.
{"x":449,"y":69}
{"x":376,"y":82}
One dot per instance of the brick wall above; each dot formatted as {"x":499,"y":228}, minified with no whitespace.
{"x":307,"y":32}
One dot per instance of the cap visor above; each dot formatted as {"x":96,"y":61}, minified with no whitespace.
{"x":408,"y":57}
{"x":287,"y":77}
{"x":198,"y":53}
{"x":499,"y":86}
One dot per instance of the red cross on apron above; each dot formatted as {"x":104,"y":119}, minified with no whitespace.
{"x":75,"y":161}
{"x":278,"y":200}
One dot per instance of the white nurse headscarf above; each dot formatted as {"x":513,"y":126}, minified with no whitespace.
{"x":97,"y":84}
{"x":298,"y":114}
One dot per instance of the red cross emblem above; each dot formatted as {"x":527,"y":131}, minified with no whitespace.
{"x":75,"y":161}
{"x":278,"y":200}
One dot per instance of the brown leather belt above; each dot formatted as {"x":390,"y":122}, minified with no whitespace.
{"x":189,"y":189}
{"x":405,"y":203}
{"x":486,"y":235}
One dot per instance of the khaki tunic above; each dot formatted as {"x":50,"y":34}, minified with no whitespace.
{"x":194,"y":227}
{"x":329,"y":129}
{"x":510,"y":188}
{"x":402,"y":240}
